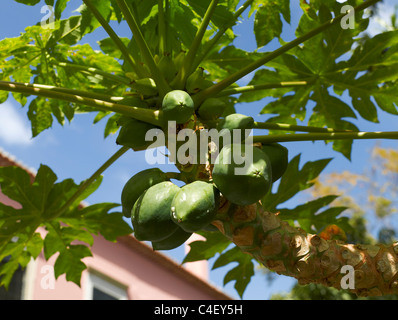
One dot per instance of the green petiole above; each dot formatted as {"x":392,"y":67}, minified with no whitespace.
{"x":144,"y":48}
{"x":90,"y":180}
{"x":192,"y":52}
{"x":112,"y":34}
{"x":208,"y":46}
{"x":292,"y":127}
{"x":264,"y":86}
{"x":326,"y":136}
{"x":154,"y":117}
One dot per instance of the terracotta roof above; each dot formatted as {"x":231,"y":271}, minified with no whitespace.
{"x":7,"y":159}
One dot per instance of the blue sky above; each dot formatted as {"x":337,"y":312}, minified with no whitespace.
{"x":78,"y":149}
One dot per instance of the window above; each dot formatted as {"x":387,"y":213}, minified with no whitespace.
{"x":14,"y":291}
{"x":100,"y":287}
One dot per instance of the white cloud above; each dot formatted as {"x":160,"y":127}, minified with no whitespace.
{"x":382,"y":20}
{"x":13,"y":128}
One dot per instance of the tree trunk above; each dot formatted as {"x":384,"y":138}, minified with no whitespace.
{"x":290,"y":251}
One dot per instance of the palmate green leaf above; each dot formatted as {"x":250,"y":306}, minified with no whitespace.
{"x":96,"y":219}
{"x":230,"y":59}
{"x":308,"y":215}
{"x":214,"y":243}
{"x":17,"y":254}
{"x":41,"y":200}
{"x":311,"y":220}
{"x":332,"y":112}
{"x":30,"y":58}
{"x":241,"y":274}
{"x":330,"y":68}
{"x":267,"y":22}
{"x":28,"y":2}
{"x":58,"y":5}
{"x":302,"y":178}
{"x":72,"y":235}
{"x":222,"y":14}
{"x":289,"y":108}
{"x":182,"y":28}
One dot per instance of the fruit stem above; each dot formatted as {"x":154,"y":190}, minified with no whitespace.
{"x":157,"y":76}
{"x":175,"y":176}
{"x":90,"y":180}
{"x":217,"y":88}
{"x":112,"y":34}
{"x":188,"y":64}
{"x":154,"y":117}
{"x":325,"y":136}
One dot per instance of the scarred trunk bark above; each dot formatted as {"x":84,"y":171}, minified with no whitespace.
{"x":290,"y":251}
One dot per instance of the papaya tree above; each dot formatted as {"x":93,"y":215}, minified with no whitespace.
{"x":176,"y":83}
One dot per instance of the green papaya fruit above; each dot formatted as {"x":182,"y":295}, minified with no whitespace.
{"x":279,"y":158}
{"x":195,"y":205}
{"x":242,"y":173}
{"x":235,"y":123}
{"x":132,"y":134}
{"x":197,"y":82}
{"x":137,"y":185}
{"x":167,"y":67}
{"x":177,"y":105}
{"x":176,"y":239}
{"x":211,"y":109}
{"x":145,"y":86}
{"x":150,"y":215}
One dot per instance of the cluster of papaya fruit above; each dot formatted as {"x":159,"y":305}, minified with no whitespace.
{"x":166,"y":214}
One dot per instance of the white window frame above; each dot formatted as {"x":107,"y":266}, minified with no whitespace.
{"x":104,"y":283}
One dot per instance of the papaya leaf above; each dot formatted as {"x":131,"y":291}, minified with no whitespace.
{"x":267,"y":22}
{"x":222,"y":15}
{"x":214,"y":243}
{"x":311,"y":220}
{"x":97,"y":219}
{"x":241,"y":274}
{"x":81,"y":225}
{"x":28,"y":2}
{"x":59,"y":7}
{"x":302,"y":180}
{"x":39,"y":202}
